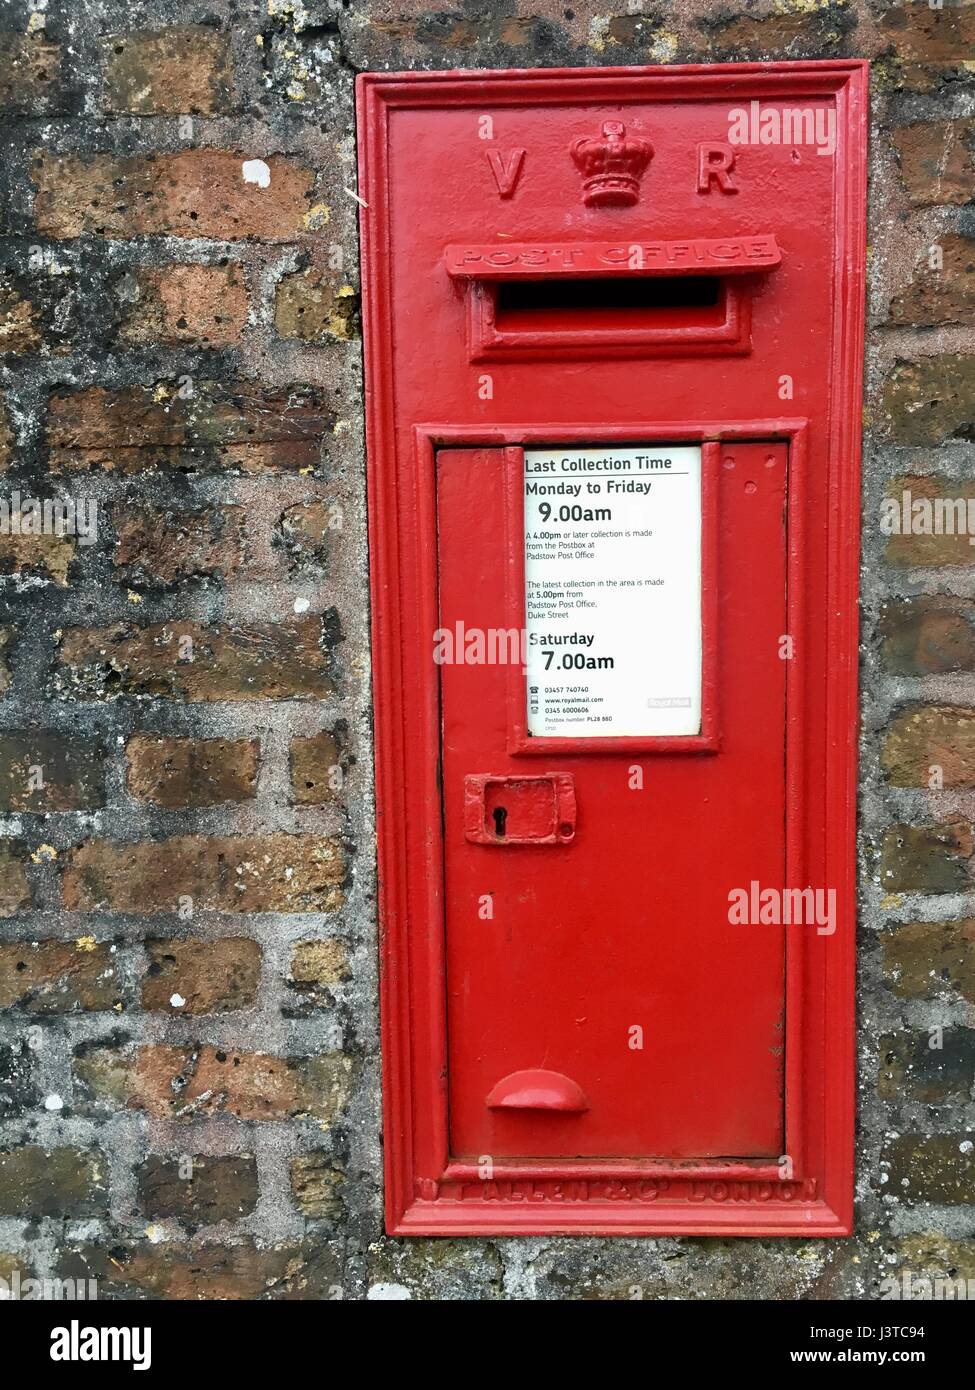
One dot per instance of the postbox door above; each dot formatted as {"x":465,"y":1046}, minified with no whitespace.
{"x":600,"y":1000}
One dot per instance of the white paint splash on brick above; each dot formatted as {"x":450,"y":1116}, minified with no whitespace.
{"x":388,"y":1293}
{"x":256,"y":171}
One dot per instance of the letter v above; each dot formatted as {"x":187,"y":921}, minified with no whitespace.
{"x":506,"y":176}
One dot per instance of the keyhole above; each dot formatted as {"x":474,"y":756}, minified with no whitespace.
{"x":500,"y":814}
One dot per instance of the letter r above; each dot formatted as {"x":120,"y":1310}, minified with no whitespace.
{"x":715,"y":160}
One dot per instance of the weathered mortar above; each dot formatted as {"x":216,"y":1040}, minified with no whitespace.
{"x":136,"y":265}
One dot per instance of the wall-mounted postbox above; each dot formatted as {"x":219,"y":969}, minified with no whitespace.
{"x":613,"y":346}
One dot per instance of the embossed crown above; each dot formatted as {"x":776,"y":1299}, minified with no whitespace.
{"x":612,"y":167}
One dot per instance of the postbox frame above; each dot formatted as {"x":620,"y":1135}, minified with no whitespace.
{"x":427,"y":1192}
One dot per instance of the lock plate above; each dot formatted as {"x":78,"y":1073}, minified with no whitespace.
{"x":503,"y":811}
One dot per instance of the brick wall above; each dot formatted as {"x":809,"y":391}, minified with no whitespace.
{"x":188,"y":1042}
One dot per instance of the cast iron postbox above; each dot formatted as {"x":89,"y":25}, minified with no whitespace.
{"x":613,"y":350}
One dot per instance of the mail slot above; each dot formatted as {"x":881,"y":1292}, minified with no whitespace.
{"x":613,"y":346}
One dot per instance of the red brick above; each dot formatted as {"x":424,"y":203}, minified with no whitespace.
{"x":69,"y":770}
{"x":926,"y":737}
{"x":187,"y":69}
{"x":174,"y":772}
{"x":213,"y":427}
{"x":930,"y":960}
{"x":6,"y":437}
{"x":927,"y":858}
{"x":6,"y":646}
{"x":316,"y":1184}
{"x":187,"y":661}
{"x":193,"y":193}
{"x":942,"y":295}
{"x":317,"y":967}
{"x":185,"y":304}
{"x":183,"y":1082}
{"x":19,"y":327}
{"x":259,"y":873}
{"x":199,"y":1193}
{"x":162,"y":546}
{"x":316,"y":306}
{"x":927,"y":635}
{"x":782,"y":34}
{"x":60,"y":1182}
{"x":39,"y":313}
{"x":321,"y":963}
{"x":305,"y":533}
{"x":58,"y":977}
{"x":191,"y":1273}
{"x":209,"y":977}
{"x":937,"y":161}
{"x":928,"y":46}
{"x":46,"y":556}
{"x":30,"y":69}
{"x":450,"y":32}
{"x":930,"y":401}
{"x":315,"y":761}
{"x":935,"y":503}
{"x":626,"y":30}
{"x":15,"y":895}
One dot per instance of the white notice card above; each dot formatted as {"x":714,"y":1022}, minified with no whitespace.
{"x":613,"y":590}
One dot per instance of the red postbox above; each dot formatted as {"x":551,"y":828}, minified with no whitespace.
{"x":613,"y":353}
